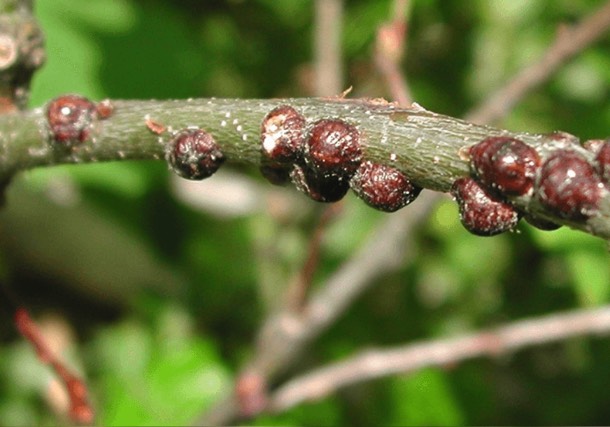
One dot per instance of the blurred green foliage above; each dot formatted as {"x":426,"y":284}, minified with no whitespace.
{"x":166,"y":298}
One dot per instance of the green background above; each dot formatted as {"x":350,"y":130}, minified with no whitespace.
{"x":165,"y":299}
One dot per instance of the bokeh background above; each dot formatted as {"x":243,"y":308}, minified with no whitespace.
{"x":159,"y":293}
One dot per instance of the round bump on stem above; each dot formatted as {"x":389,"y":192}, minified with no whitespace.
{"x":333,"y":148}
{"x":480,"y":212}
{"x":383,"y":187}
{"x":506,"y":165}
{"x":569,"y":186}
{"x":70,"y":118}
{"x":282,"y":137}
{"x":194,"y":154}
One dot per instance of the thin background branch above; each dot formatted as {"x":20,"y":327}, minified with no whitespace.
{"x":373,"y":364}
{"x":569,"y":42}
{"x":390,"y":45}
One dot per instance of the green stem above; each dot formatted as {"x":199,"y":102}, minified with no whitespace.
{"x":428,"y":147}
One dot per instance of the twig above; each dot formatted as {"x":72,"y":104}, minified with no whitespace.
{"x":389,"y":51}
{"x":80,"y":410}
{"x":569,"y":42}
{"x":296,"y":295}
{"x":428,"y":147}
{"x":373,"y":364}
{"x":327,"y":47}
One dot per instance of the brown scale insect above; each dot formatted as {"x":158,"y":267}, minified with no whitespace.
{"x":327,"y":188}
{"x":480,"y":212}
{"x":282,"y":137}
{"x":194,"y":154}
{"x":383,"y":187}
{"x":333,"y":148}
{"x":70,"y":118}
{"x":569,"y":186}
{"x":506,"y":165}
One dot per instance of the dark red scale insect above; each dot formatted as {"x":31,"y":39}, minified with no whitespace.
{"x":70,"y":118}
{"x":481,"y":213}
{"x":569,"y":186}
{"x":194,"y":154}
{"x":282,"y":138}
{"x":333,"y":148}
{"x":326,"y":188}
{"x":506,"y":165}
{"x":383,"y":187}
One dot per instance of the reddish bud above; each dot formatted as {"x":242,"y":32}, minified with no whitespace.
{"x":327,"y":188}
{"x":104,"y":109}
{"x":194,"y":154}
{"x":504,"y":164}
{"x":70,"y":118}
{"x":603,"y":161}
{"x":569,"y":186}
{"x":333,"y":148}
{"x":480,"y":212}
{"x":282,"y":134}
{"x":383,"y":187}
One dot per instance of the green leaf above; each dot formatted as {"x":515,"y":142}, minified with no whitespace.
{"x":424,"y":398}
{"x":591,"y":274}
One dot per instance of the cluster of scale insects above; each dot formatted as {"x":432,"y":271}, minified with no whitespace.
{"x":324,"y":159}
{"x":565,"y":183}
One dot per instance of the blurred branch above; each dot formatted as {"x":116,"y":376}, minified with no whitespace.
{"x":327,"y":45}
{"x":373,"y":364}
{"x":81,"y":411}
{"x":21,"y":53}
{"x":569,"y":42}
{"x":298,"y":290}
{"x":390,"y":46}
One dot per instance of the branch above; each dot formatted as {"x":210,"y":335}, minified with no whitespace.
{"x":373,"y":364}
{"x":389,"y":51}
{"x":568,"y":43}
{"x":327,"y":47}
{"x":429,"y":148}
